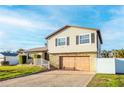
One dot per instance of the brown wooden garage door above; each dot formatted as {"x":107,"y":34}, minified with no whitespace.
{"x":76,"y":63}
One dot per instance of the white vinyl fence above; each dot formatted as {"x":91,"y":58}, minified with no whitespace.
{"x":1,"y":59}
{"x":13,"y":60}
{"x":110,"y":65}
{"x":119,"y":65}
{"x":42,"y":62}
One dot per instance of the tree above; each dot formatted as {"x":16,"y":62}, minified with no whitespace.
{"x":119,"y":53}
{"x":105,"y":54}
{"x":21,"y":51}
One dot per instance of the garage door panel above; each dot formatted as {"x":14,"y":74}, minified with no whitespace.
{"x":76,"y":63}
{"x":82,"y":63}
{"x":68,"y":63}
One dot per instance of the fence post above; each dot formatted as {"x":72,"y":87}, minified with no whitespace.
{"x":115,"y":64}
{"x":48,"y":65}
{"x":41,"y":62}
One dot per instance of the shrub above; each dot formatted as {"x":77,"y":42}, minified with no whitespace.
{"x":5,"y":63}
{"x":37,"y":56}
{"x":22,"y":59}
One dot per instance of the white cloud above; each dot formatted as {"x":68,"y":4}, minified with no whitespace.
{"x":15,"y":24}
{"x":113,"y":30}
{"x":15,"y":21}
{"x":25,"y":19}
{"x":119,"y":11}
{"x":2,"y":34}
{"x":25,"y":23}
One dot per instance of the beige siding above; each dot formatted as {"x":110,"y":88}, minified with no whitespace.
{"x":72,"y":32}
{"x":55,"y":61}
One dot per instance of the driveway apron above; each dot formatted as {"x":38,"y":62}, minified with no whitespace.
{"x":57,"y":78}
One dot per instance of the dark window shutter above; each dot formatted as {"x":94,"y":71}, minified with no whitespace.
{"x":68,"y":41}
{"x":56,"y":42}
{"x":77,"y":40}
{"x":92,"y":38}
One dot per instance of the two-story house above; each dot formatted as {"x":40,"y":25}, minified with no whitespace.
{"x":74,"y":48}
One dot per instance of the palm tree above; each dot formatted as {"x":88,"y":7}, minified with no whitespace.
{"x":120,"y":53}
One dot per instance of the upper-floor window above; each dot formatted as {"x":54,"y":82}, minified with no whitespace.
{"x":84,"y":39}
{"x":61,"y":41}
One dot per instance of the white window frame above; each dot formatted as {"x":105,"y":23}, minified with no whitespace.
{"x":65,"y":41}
{"x":89,"y":39}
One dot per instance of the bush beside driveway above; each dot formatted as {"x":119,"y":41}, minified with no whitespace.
{"x":7,"y":72}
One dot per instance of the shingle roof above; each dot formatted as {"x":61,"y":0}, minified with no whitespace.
{"x":38,"y":49}
{"x":59,"y":30}
{"x":9,"y":54}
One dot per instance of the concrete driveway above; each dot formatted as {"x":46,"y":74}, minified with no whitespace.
{"x":57,"y":78}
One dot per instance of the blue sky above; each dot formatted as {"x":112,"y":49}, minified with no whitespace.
{"x":27,"y":26}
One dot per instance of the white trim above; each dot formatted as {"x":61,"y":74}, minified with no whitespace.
{"x":89,"y":39}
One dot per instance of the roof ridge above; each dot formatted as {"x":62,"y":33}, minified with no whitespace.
{"x":66,"y":27}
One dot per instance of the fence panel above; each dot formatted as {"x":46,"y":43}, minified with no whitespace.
{"x":105,"y":65}
{"x":45,"y":63}
{"x":42,"y":62}
{"x":37,"y":61}
{"x":13,"y":60}
{"x":1,"y":59}
{"x":119,"y":65}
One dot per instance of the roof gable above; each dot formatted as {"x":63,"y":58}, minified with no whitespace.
{"x":59,"y":30}
{"x":67,"y":26}
{"x":38,"y":49}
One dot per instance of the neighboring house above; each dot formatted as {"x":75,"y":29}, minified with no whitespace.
{"x":39,"y":56}
{"x":74,"y":48}
{"x":42,"y":51}
{"x":1,"y":58}
{"x":11,"y":57}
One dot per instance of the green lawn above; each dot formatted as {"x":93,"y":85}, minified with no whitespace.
{"x":7,"y":72}
{"x":107,"y":80}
